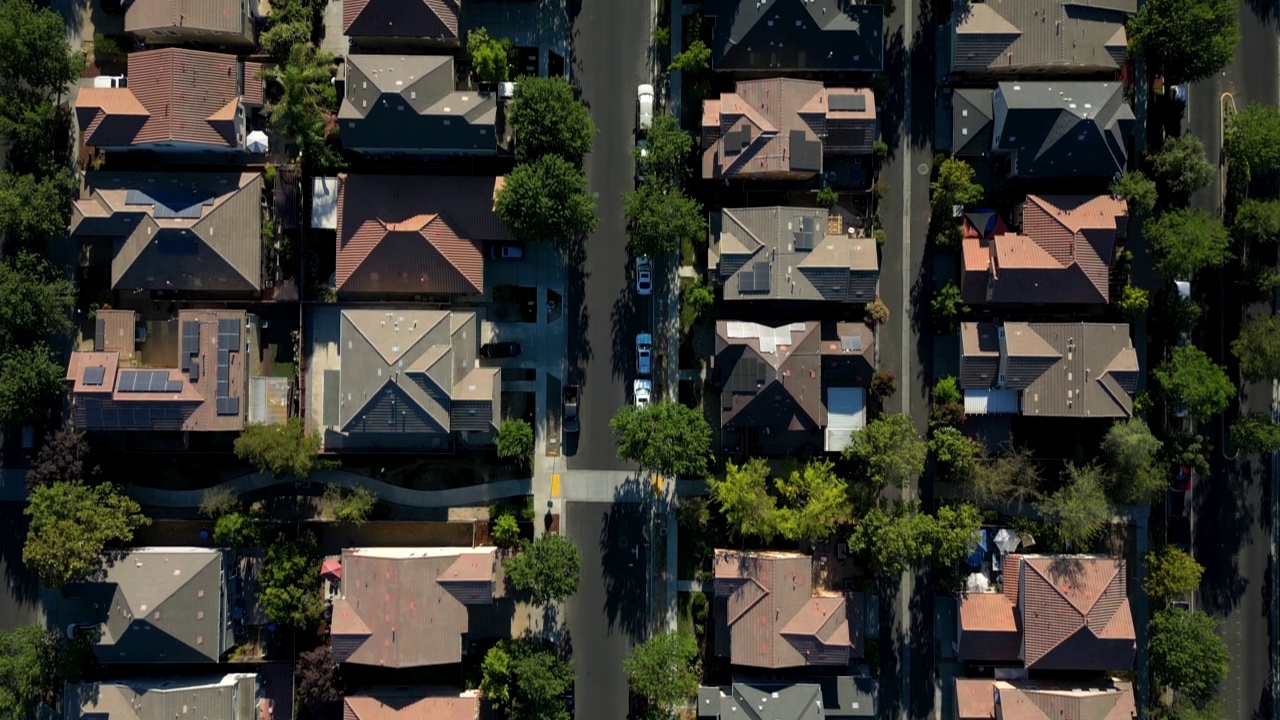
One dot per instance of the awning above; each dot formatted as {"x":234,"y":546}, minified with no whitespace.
{"x":991,"y":402}
{"x":331,"y":569}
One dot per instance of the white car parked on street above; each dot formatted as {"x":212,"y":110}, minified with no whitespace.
{"x":643,"y":391}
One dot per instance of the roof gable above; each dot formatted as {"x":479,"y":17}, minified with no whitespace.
{"x":429,"y":19}
{"x":814,"y":35}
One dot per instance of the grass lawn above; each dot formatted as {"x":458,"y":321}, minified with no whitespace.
{"x":687,"y":315}
{"x":688,"y":256}
{"x":684,"y":614}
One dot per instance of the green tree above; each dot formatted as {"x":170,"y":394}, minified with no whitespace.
{"x":664,"y":669}
{"x":814,"y":502}
{"x":693,"y":61}
{"x":956,"y":452}
{"x":289,"y":581}
{"x":1190,"y":376}
{"x":505,"y":531}
{"x":1186,"y":241}
{"x":35,"y":56}
{"x":35,"y":301}
{"x":1186,"y":653}
{"x":307,"y":99}
{"x":350,"y":507}
{"x":1078,"y":511}
{"x":1134,"y":474}
{"x":666,"y":437}
{"x":1253,"y":139}
{"x":236,"y":530}
{"x":515,"y":441}
{"x":490,"y":57}
{"x":892,"y":540}
{"x":1184,"y":709}
{"x":1138,"y":191}
{"x":1254,"y":433}
{"x":1182,"y":447}
{"x":1133,"y":302}
{"x":1185,"y":40}
{"x":546,"y":200}
{"x":1258,"y":348}
{"x":279,"y":40}
{"x":525,"y":679}
{"x":946,"y":305}
{"x":948,"y":405}
{"x":35,"y":211}
{"x":34,"y":663}
{"x":665,"y":160}
{"x":828,"y":197}
{"x":549,"y":120}
{"x":71,"y":525}
{"x":1171,"y":575}
{"x":284,"y":450}
{"x":546,"y":569}
{"x":1011,"y":478}
{"x":659,"y":218}
{"x":888,"y":451}
{"x":953,"y":186}
{"x":31,"y":385}
{"x":1256,"y":222}
{"x":954,"y":533}
{"x":1180,"y":168}
{"x":744,"y":500}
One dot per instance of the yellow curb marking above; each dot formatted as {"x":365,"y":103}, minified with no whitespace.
{"x":555,"y":485}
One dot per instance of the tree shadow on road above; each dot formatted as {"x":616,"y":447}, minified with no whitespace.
{"x":628,"y":319}
{"x":579,"y":319}
{"x":22,"y":583}
{"x":1223,"y":505}
{"x":625,"y":553}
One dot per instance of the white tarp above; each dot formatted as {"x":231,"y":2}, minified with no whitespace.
{"x":1007,"y":540}
{"x":991,"y":402}
{"x":257,"y":142}
{"x":977,"y":582}
{"x":846,"y":412}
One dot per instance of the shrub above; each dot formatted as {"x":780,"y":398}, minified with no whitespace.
{"x":883,"y":384}
{"x":880,"y":237}
{"x":350,"y":507}
{"x":827,"y":198}
{"x":1133,"y":302}
{"x":877,"y":313}
{"x":879,"y":149}
{"x":515,"y":441}
{"x":505,"y":531}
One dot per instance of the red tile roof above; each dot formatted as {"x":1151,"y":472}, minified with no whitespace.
{"x":428,"y":19}
{"x":1044,"y":700}
{"x":415,"y":234}
{"x":413,"y":703}
{"x":988,"y":628}
{"x":975,"y":699}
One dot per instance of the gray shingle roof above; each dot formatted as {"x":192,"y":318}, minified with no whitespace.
{"x":971,"y":118}
{"x":1063,"y":129}
{"x":230,"y":697}
{"x":1009,"y":37}
{"x":796,"y":35}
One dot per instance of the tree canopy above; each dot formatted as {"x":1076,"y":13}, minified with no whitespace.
{"x":1185,"y":241}
{"x":490,"y":57}
{"x":350,"y":506}
{"x":665,"y":160}
{"x":659,"y":218}
{"x":34,"y":57}
{"x":288,"y":580}
{"x":888,"y":451}
{"x":1186,"y":653}
{"x":953,"y":185}
{"x":35,"y":210}
{"x":1078,"y":511}
{"x":744,"y":500}
{"x":695,"y":59}
{"x":664,"y":669}
{"x":307,"y":98}
{"x":61,"y":457}
{"x":1253,"y":139}
{"x":893,"y":540}
{"x":1258,"y":348}
{"x":236,"y":530}
{"x":72,"y":524}
{"x":35,"y":301}
{"x":1256,"y":222}
{"x":316,"y":682}
{"x":549,"y":120}
{"x":546,"y":200}
{"x":1190,"y":376}
{"x":1138,"y":191}
{"x":1010,"y":478}
{"x":546,"y":570}
{"x":34,"y":664}
{"x":1180,"y":168}
{"x":1134,"y":473}
{"x":515,"y":441}
{"x":1255,"y":432}
{"x":956,"y":453}
{"x":665,"y":437}
{"x":284,"y":450}
{"x":1185,"y":40}
{"x":1171,"y":575}
{"x":526,"y":678}
{"x":814,"y":502}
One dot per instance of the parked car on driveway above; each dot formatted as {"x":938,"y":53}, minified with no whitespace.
{"x":508,"y":349}
{"x":644,"y":354}
{"x":644,"y":276}
{"x":506,"y":252}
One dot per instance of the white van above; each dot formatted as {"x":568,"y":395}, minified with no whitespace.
{"x":110,"y":81}
{"x":644,"y":95}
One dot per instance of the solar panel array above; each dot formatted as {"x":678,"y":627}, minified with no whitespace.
{"x":228,"y":341}
{"x":854,"y":103}
{"x":746,"y":379}
{"x":190,"y":353}
{"x":132,"y":416}
{"x":94,"y":375}
{"x":148,"y":381}
{"x":756,"y":279}
{"x":806,"y":228}
{"x":171,"y":203}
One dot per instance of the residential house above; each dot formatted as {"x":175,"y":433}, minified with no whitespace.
{"x":408,"y":105}
{"x":986,"y":699}
{"x":794,"y":386}
{"x":161,"y":110}
{"x":213,"y":22}
{"x":412,"y":702}
{"x":1062,"y":256}
{"x":790,"y":36}
{"x":817,"y":698}
{"x":407,"y":379}
{"x":158,"y":605}
{"x":768,"y":613}
{"x":1062,"y":129}
{"x":415,"y":235}
{"x":780,"y":128}
{"x":1078,"y":370}
{"x":396,"y":23}
{"x":234,"y":696}
{"x":408,"y":607}
{"x":1061,"y":37}
{"x":205,"y":390}
{"x":199,"y":234}
{"x":791,"y":253}
{"x":1055,"y":612}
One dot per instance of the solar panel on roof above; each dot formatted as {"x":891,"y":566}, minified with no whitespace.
{"x":94,"y":375}
{"x":851,"y":103}
{"x":194,"y":369}
{"x":228,"y":406}
{"x":805,"y":232}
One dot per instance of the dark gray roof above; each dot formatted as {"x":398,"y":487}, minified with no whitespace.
{"x":1031,"y":35}
{"x":971,"y":121}
{"x":841,"y":696}
{"x":772,"y":702}
{"x":230,"y":697}
{"x":781,"y":35}
{"x":847,"y":696}
{"x":1063,"y":129}
{"x":409,"y":104}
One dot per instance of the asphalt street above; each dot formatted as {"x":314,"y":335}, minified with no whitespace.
{"x":610,"y":50}
{"x":20,"y":601}
{"x":608,"y":615}
{"x":1232,"y":523}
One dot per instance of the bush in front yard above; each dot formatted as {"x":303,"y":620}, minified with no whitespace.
{"x":515,"y":441}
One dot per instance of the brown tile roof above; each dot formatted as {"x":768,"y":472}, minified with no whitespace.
{"x":408,"y":607}
{"x":1063,"y":700}
{"x":415,"y":234}
{"x":194,"y":232}
{"x":174,"y":95}
{"x":767,"y":614}
{"x":401,"y":18}
{"x":975,"y":699}
{"x":989,"y":628}
{"x":411,"y":703}
{"x":189,"y":400}
{"x":777,"y":127}
{"x":253,"y":85}
{"x":1061,"y":369}
{"x":215,"y":15}
{"x":1063,"y":255}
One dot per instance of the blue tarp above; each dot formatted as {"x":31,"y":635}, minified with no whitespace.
{"x":980,"y":552}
